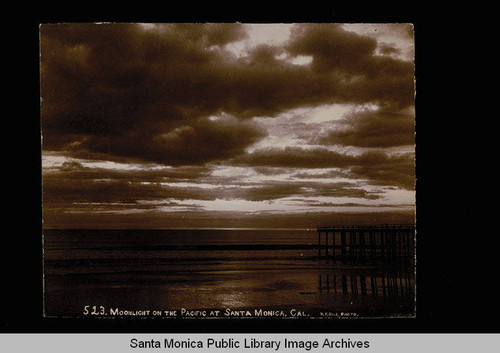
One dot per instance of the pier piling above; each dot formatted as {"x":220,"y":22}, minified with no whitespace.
{"x":390,"y":242}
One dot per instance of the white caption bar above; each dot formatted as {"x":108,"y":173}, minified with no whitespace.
{"x":249,"y":343}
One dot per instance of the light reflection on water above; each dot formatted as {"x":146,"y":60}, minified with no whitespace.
{"x":231,"y":300}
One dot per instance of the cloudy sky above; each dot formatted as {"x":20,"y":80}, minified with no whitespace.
{"x":226,"y":125}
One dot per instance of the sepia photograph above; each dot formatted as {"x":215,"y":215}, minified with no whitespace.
{"x":222,"y":171}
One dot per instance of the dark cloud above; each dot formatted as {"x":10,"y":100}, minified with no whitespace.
{"x":195,"y":143}
{"x":386,"y":49}
{"x":117,"y":88}
{"x":330,"y":174}
{"x":273,"y":191}
{"x":351,"y":59}
{"x":71,"y":184}
{"x":75,"y":170}
{"x":295,"y":157}
{"x":110,"y":86}
{"x":378,"y":167}
{"x":315,"y":203}
{"x":372,"y":129}
{"x":332,"y":48}
{"x":384,"y":170}
{"x":123,"y":191}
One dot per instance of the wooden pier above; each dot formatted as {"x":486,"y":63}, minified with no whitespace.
{"x":365,"y":242}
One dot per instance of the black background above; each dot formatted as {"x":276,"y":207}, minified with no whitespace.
{"x":456,"y":269}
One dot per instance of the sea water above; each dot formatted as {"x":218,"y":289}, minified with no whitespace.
{"x":224,"y":270}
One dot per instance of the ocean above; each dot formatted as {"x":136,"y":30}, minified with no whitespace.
{"x":215,"y":273}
